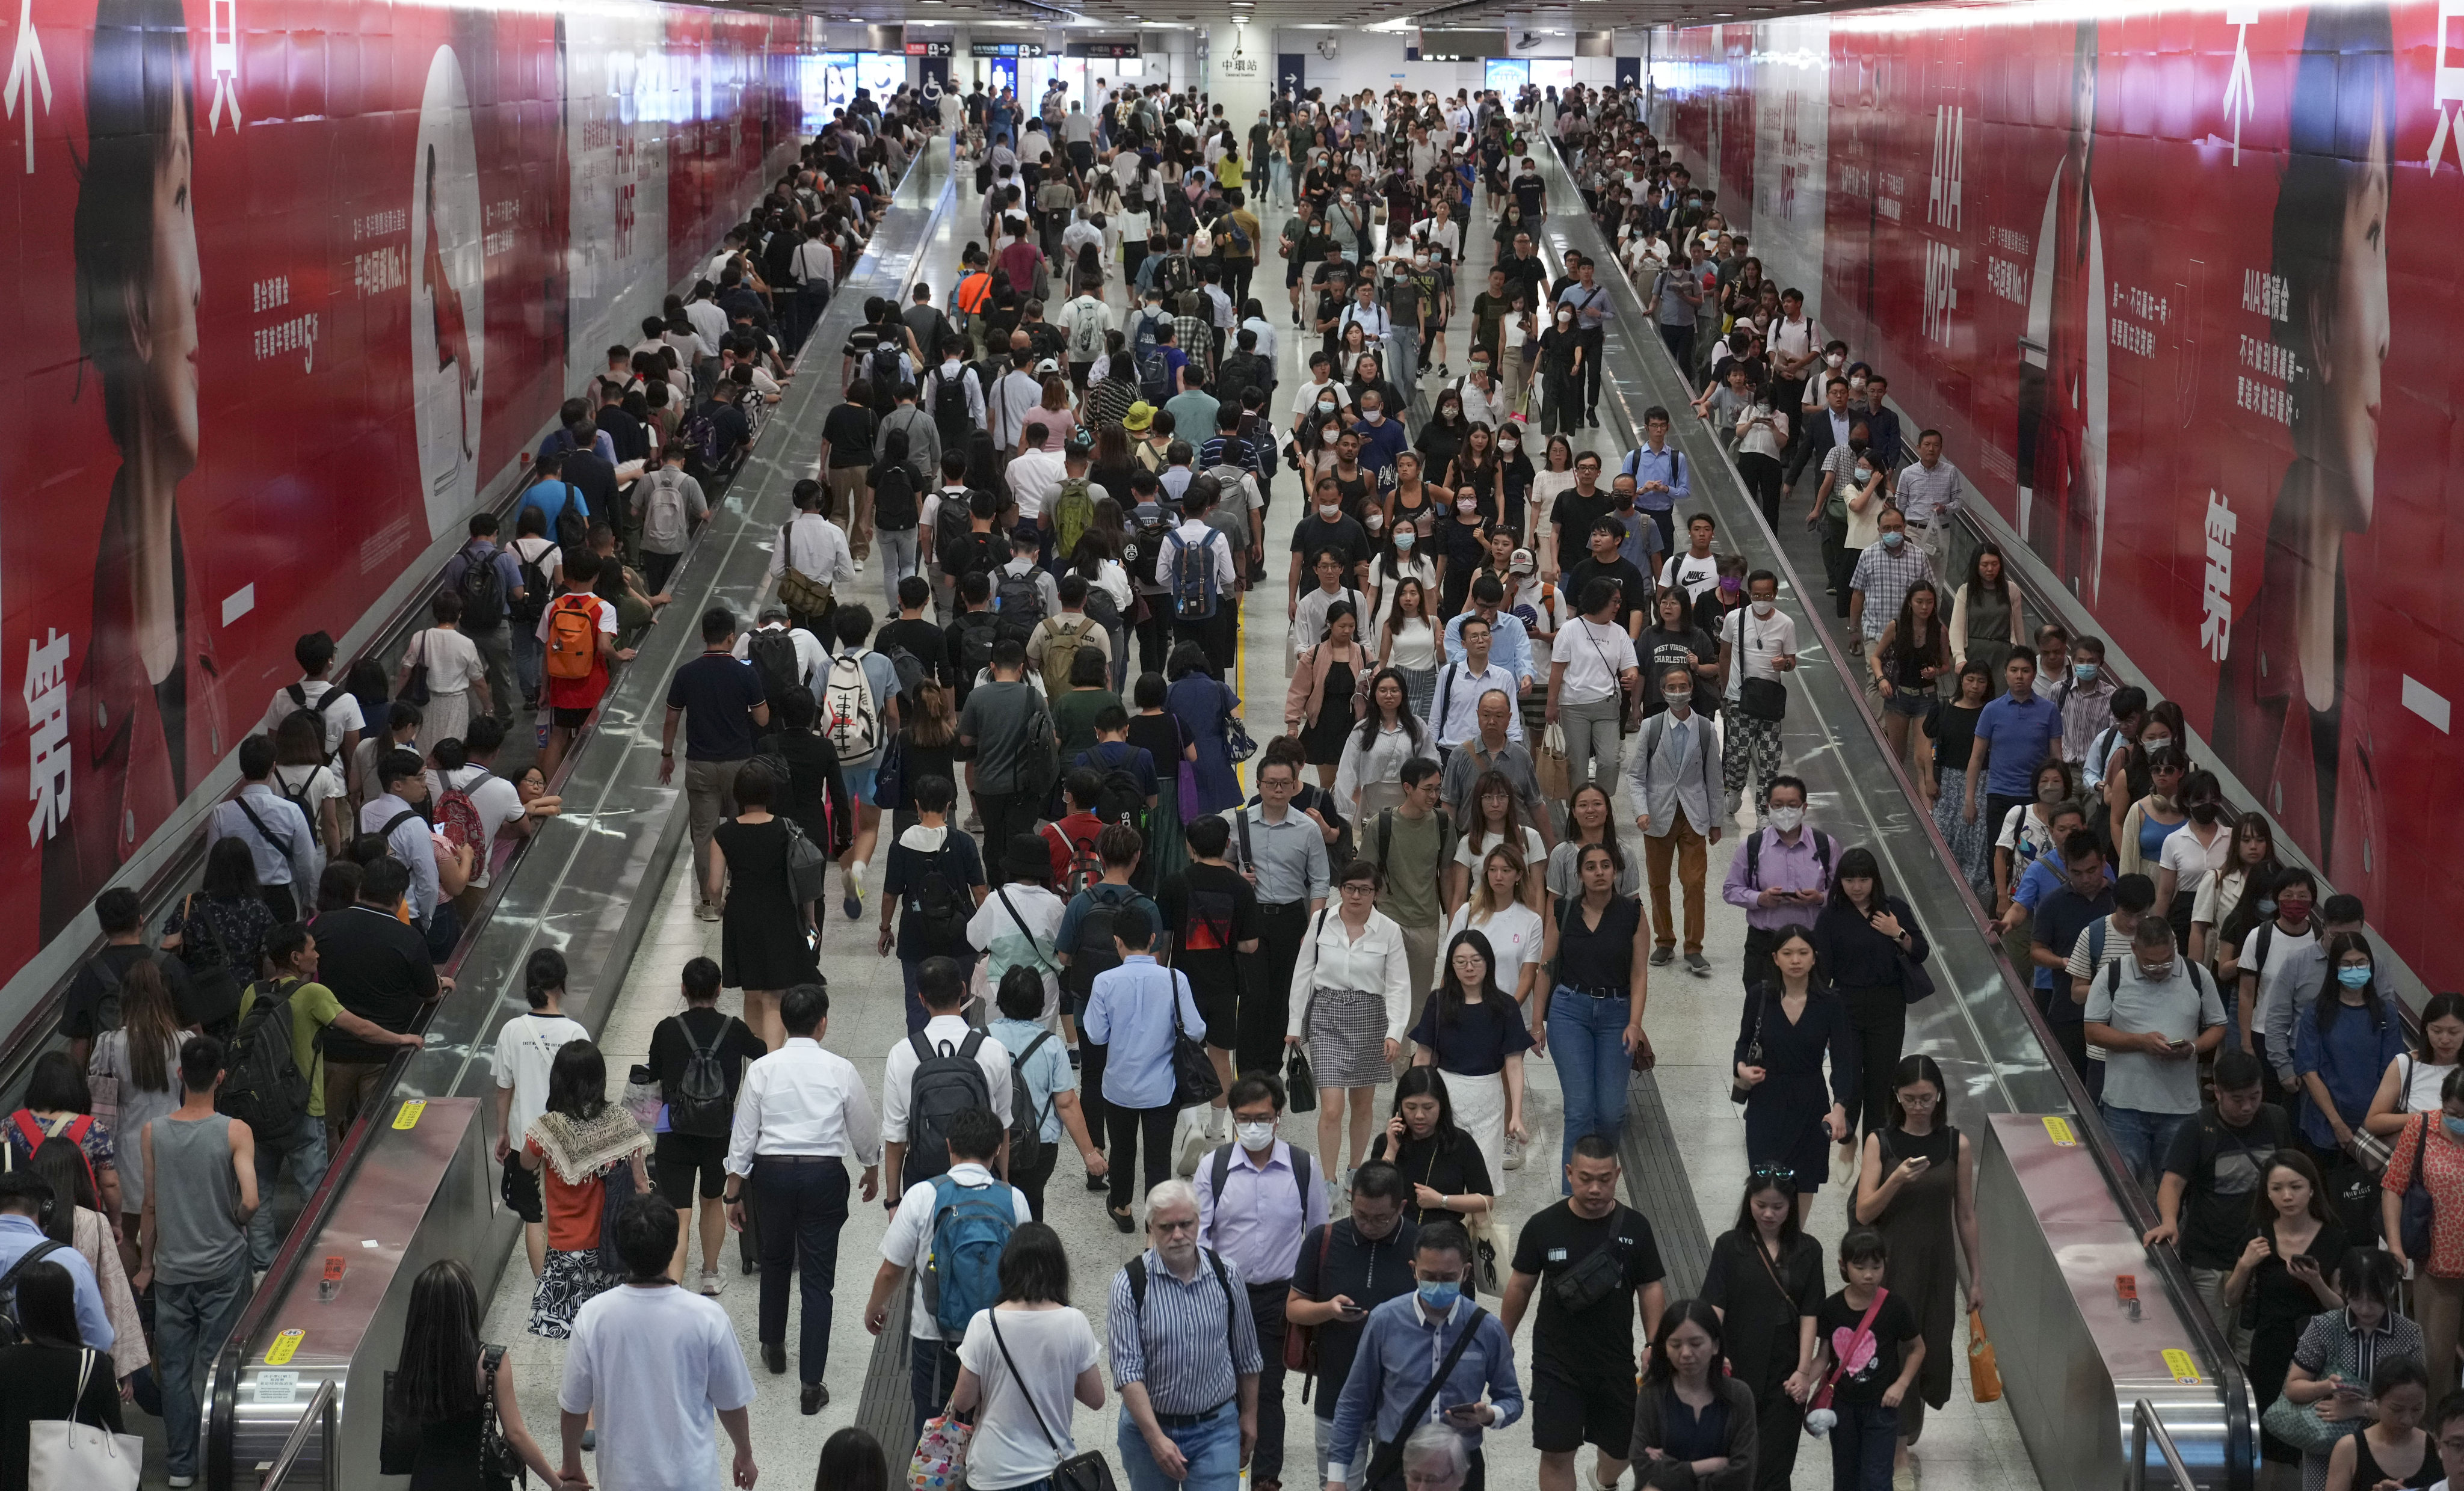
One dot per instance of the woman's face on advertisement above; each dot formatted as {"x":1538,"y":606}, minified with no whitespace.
{"x":165,"y":325}
{"x":2355,"y":343}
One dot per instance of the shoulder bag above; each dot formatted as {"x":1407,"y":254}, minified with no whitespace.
{"x":1738,"y":1092}
{"x":1821,"y":1404}
{"x":2298,"y":1424}
{"x":1193,"y":1079}
{"x":1087,"y":1472}
{"x":1758,"y":698}
{"x":2419,"y":1210}
{"x":1388,"y":1458}
{"x":1300,"y":1341}
{"x":64,"y":1455}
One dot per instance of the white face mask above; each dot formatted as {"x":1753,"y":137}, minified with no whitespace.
{"x":1509,"y":444}
{"x":1788,"y":820}
{"x":1329,"y":512}
{"x":1376,"y":521}
{"x":1373,"y":416}
{"x":1254,"y":1137}
{"x":1331,"y":435}
{"x":1764,"y":608}
{"x":1834,"y":359}
{"x":1326,"y":406}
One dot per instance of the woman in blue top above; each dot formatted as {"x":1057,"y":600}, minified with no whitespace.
{"x":1206,"y":708}
{"x":2338,"y":1055}
{"x":1041,"y":1063}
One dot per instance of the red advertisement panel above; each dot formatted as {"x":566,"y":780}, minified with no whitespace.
{"x":292,"y":283}
{"x":2175,"y":283}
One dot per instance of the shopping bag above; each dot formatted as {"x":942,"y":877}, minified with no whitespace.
{"x":941,"y":1461}
{"x":63,"y":1455}
{"x":1549,"y":766}
{"x":1983,"y":1375}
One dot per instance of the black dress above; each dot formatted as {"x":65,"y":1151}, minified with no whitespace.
{"x":2278,"y":1307}
{"x":816,"y":794}
{"x":762,"y":935}
{"x":1448,"y":1164}
{"x":1762,"y":1300}
{"x":39,"y":1382}
{"x":1322,"y":738}
{"x":1785,"y":1111}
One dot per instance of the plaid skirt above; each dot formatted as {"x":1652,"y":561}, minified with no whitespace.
{"x":1347,"y":1038}
{"x":567,"y":1283}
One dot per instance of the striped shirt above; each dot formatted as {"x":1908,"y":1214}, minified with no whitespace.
{"x":1927,"y":493}
{"x":1171,"y":1346}
{"x":1885,"y":578}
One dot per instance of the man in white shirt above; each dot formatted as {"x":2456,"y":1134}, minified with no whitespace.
{"x":800,"y":1115}
{"x":1035,"y":473}
{"x":653,"y":1365}
{"x":526,"y":1047}
{"x":952,"y":372}
{"x":1478,"y":391}
{"x":816,"y":547}
{"x":1322,"y":385}
{"x":1079,"y":234}
{"x":1014,"y":396}
{"x":1460,"y":686}
{"x":1758,"y":643}
{"x":709,"y":320}
{"x":976,"y":1139}
{"x":909,"y":1157}
{"x":1365,"y":313}
{"x":337,"y":709}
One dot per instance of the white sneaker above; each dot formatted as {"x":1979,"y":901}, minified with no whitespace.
{"x":859,"y":566}
{"x":1513,"y":1152}
{"x":1193,"y":1149}
{"x":713,"y":1280}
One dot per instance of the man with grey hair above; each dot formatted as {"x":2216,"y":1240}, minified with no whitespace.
{"x":1435,"y":1460}
{"x":1185,"y":1355}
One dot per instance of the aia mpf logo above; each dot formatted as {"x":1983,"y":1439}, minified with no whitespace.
{"x":1943,"y":211}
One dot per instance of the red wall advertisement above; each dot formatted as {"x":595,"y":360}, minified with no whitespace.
{"x":2178,"y":285}
{"x":292,"y":283}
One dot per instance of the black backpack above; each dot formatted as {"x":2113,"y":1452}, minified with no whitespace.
{"x":884,"y":372}
{"x":10,"y":1333}
{"x":951,"y":416}
{"x":698,"y":1107}
{"x":953,"y":538}
{"x":1118,"y":799}
{"x":1017,"y":605}
{"x":482,"y":590}
{"x":1025,"y":1119}
{"x":947,"y":1082}
{"x":773,"y":656}
{"x":335,"y":693}
{"x":1093,"y":952}
{"x":1754,"y":858}
{"x":265,"y":1088}
{"x":897,"y":496}
{"x":976,"y":630}
{"x":535,"y":592}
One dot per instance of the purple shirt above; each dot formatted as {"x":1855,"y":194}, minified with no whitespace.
{"x":1781,"y":866}
{"x":1257,"y":1223}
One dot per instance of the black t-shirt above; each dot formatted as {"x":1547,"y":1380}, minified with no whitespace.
{"x":2221,"y":1167}
{"x":849,"y":428}
{"x":1476,"y":1039}
{"x":733,"y":428}
{"x":1574,"y":515}
{"x":921,"y":638}
{"x":1663,"y":650}
{"x":673,"y":1042}
{"x":717,"y":694}
{"x":378,"y":967}
{"x":587,"y":473}
{"x":1209,"y":910}
{"x":1598,"y":1342}
{"x":1160,"y":736}
{"x":1834,"y":1325}
{"x":1634,"y":586}
{"x":83,"y":1016}
{"x":1530,"y":193}
{"x":1448,"y":1164}
{"x":1336,"y":1259}
{"x":1313,"y":534}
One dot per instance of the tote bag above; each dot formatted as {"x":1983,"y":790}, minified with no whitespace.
{"x":63,"y":1455}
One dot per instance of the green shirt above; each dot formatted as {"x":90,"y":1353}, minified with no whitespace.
{"x":1073,"y":716}
{"x":312,"y":1008}
{"x":1412,"y":866}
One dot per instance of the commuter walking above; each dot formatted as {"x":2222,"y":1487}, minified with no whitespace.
{"x":723,"y":704}
{"x":1592,"y":672}
{"x":1791,"y":1024}
{"x":1867,"y":947}
{"x":577,"y":1144}
{"x":1430,"y":1356}
{"x":2154,"y":1014}
{"x":1022,"y":1364}
{"x":934,"y":884}
{"x":2211,"y":1184}
{"x":1757,"y":651}
{"x":1136,"y":1011}
{"x":1471,"y":1030}
{"x":1210,"y":912}
{"x":801,"y":1116}
{"x":1184,"y":1352}
{"x":48,"y":1373}
{"x":526,"y":1048}
{"x":1039,"y":1064}
{"x":1284,"y":856}
{"x":1673,"y":780}
{"x":944,"y":1068}
{"x":1764,"y":1278}
{"x":1009,"y":728}
{"x":1597,"y":942}
{"x":1351,"y":1003}
{"x":1692,"y":1415}
{"x":1346,"y":1269}
{"x":136,"y":1069}
{"x":699,"y":1054}
{"x":449,"y":1392}
{"x":200,"y":1192}
{"x":25,"y":1196}
{"x":769,"y":938}
{"x":1781,"y":875}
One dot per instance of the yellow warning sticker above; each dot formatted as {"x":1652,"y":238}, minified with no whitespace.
{"x":409,"y":1117}
{"x":2184,"y":1370}
{"x":285,"y":1347}
{"x":2057,"y":1129}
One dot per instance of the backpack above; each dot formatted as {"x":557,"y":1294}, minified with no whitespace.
{"x":773,"y":656}
{"x":1093,"y":952}
{"x":1087,"y":336}
{"x":1118,"y":799}
{"x":457,"y":817}
{"x":905,"y":665}
{"x":1193,"y":586}
{"x":1145,"y":353}
{"x":335,"y":693}
{"x":664,"y":518}
{"x":951,"y":415}
{"x":954,"y":533}
{"x":849,"y":716}
{"x":897,"y":496}
{"x":947,"y":1082}
{"x":1017,"y":603}
{"x":1025,"y":1119}
{"x":975,"y":643}
{"x":299,"y":799}
{"x":971,"y":1226}
{"x":1062,"y":641}
{"x":1150,"y":523}
{"x":265,"y":1088}
{"x":701,"y":432}
{"x":1754,"y":858}
{"x":10,"y":1333}
{"x":1085,"y":862}
{"x":1073,"y":513}
{"x":482,"y":590}
{"x":572,"y":638}
{"x":884,"y":371}
{"x":698,"y":1106}
{"x":535,"y":588}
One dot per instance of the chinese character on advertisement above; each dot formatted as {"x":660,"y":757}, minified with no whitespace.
{"x":2215,"y":620}
{"x":47,"y":730}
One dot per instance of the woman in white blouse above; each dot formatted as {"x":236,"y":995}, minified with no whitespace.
{"x":454,"y":670}
{"x":2193,"y":852}
{"x":1496,"y":822}
{"x":1496,"y":910}
{"x":1351,"y":1002}
{"x":1555,"y":475}
{"x":1408,"y":640}
{"x":1370,"y":776}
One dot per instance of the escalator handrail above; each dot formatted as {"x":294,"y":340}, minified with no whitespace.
{"x":2241,"y":1424}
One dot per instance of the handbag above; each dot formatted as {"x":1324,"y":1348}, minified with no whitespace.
{"x":1914,"y":981}
{"x":2419,"y":1211}
{"x":1482,"y":1228}
{"x":64,"y":1455}
{"x":808,"y":867}
{"x":1087,"y":1472}
{"x":499,"y":1464}
{"x":2298,"y":1424}
{"x":1759,"y":699}
{"x":1300,"y":1341}
{"x":414,"y":690}
{"x":797,"y":591}
{"x":889,"y":775}
{"x":1193,"y":1075}
{"x":1983,"y":1372}
{"x":1300,"y":1085}
{"x":939,"y":1463}
{"x":1738,"y":1092}
{"x":1237,"y":743}
{"x":1549,"y":766}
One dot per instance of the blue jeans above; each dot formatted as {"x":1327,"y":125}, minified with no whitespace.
{"x":302,"y":1153}
{"x":2143,"y":1138}
{"x":1862,"y":1445}
{"x":1586,"y":1045}
{"x":190,"y":1322}
{"x":1212,"y":1447}
{"x":798,"y":1212}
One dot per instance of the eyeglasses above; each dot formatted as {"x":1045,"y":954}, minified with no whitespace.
{"x":1359,"y":887}
{"x":1772,"y":1173}
{"x":1919,"y":1100}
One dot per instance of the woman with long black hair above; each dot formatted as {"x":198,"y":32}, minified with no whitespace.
{"x":2338,"y":1055}
{"x":573,"y":1146}
{"x":447,"y":1386}
{"x":1765,"y":1280}
{"x":1023,"y":1365}
{"x":1867,"y":945}
{"x":1694,"y":1423}
{"x":51,"y":1373}
{"x":1789,"y":1028}
{"x":1370,"y":774}
{"x":1450,"y":1179}
{"x":1472,"y":1030}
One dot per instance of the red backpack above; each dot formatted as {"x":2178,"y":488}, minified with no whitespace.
{"x":457,"y":819}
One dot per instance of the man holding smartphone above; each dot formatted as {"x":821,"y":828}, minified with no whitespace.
{"x":1344,"y":1269}
{"x":1781,"y":875}
{"x":1424,"y":1359}
{"x":2152,"y":1010}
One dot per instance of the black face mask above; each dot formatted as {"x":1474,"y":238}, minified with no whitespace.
{"x":1859,"y":446}
{"x":2205,"y":812}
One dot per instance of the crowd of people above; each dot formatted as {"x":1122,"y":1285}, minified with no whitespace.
{"x":1111,"y":947}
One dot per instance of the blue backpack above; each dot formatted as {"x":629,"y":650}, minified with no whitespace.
{"x":971,"y":1226}
{"x":1193,"y":576}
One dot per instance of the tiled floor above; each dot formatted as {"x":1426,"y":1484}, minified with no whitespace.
{"x":1693,"y":1023}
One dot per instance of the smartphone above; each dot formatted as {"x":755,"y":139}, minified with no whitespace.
{"x":1350,"y":1311}
{"x":1465,"y":1413}
{"x":1921,"y":1164}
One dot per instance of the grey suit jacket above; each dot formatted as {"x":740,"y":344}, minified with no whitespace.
{"x":1663,"y":787}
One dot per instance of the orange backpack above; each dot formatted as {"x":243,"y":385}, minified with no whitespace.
{"x":572,"y":637}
